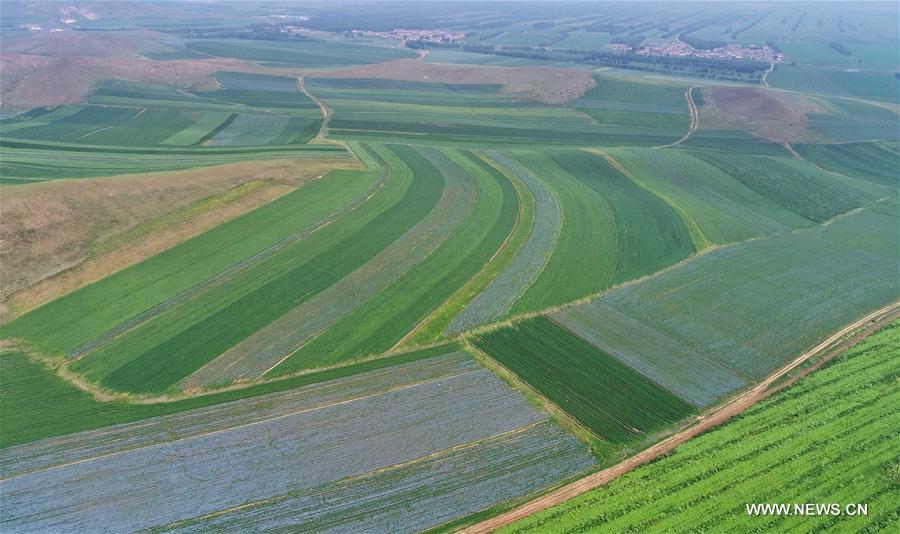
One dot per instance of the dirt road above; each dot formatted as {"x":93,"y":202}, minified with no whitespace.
{"x":765,"y":77}
{"x":695,"y":118}
{"x":704,"y":423}
{"x":326,"y":112}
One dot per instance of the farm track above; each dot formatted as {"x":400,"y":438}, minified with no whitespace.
{"x":229,"y":273}
{"x":838,"y":342}
{"x":765,"y":77}
{"x":322,"y":135}
{"x":695,"y":118}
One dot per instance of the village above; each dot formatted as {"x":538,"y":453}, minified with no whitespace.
{"x":728,"y":52}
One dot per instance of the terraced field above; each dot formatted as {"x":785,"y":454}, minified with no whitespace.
{"x":843,"y":417}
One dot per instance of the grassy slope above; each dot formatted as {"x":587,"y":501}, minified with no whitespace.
{"x":599,"y":391}
{"x":830,"y":438}
{"x":35,"y":403}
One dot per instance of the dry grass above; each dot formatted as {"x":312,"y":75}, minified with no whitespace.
{"x":88,"y":44}
{"x":545,"y":84}
{"x":767,"y":114}
{"x":61,"y":235}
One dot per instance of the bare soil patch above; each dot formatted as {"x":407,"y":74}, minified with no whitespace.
{"x":545,"y":84}
{"x":767,"y":114}
{"x":58,"y":236}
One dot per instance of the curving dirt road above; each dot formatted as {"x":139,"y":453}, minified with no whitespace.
{"x":765,"y":77}
{"x":326,"y":112}
{"x":704,"y":423}
{"x":695,"y":117}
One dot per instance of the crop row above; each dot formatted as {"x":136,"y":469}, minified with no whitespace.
{"x":802,"y":189}
{"x":257,"y":353}
{"x":383,"y":321}
{"x":73,"y":320}
{"x":613,"y":230}
{"x":423,"y":493}
{"x":690,"y":375}
{"x":368,"y":110}
{"x":876,"y":162}
{"x":815,"y":281}
{"x":599,"y":391}
{"x":81,"y":446}
{"x":722,"y":208}
{"x":163,"y":352}
{"x":842,"y":417}
{"x":273,"y":456}
{"x":38,"y":404}
{"x":498,"y":298}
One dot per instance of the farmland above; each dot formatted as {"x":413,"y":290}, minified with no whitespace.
{"x":601,"y":393}
{"x":406,"y":400}
{"x":367,"y":110}
{"x":304,"y":54}
{"x":818,"y":279}
{"x":317,"y":267}
{"x":843,"y":417}
{"x":866,"y":161}
{"x":131,"y":127}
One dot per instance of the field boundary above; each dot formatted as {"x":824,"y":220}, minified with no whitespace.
{"x":834,"y":345}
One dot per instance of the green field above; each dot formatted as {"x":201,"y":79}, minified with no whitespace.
{"x":829,"y":439}
{"x":38,"y":404}
{"x":372,"y":328}
{"x":130,"y":127}
{"x":851,"y":82}
{"x":584,"y":41}
{"x":62,"y":325}
{"x":28,"y":161}
{"x":874,"y":162}
{"x":803,"y":189}
{"x":510,"y":282}
{"x":604,"y":395}
{"x":850,"y":120}
{"x":415,"y":112}
{"x":815,"y":281}
{"x":613,"y":230}
{"x":311,"y":54}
